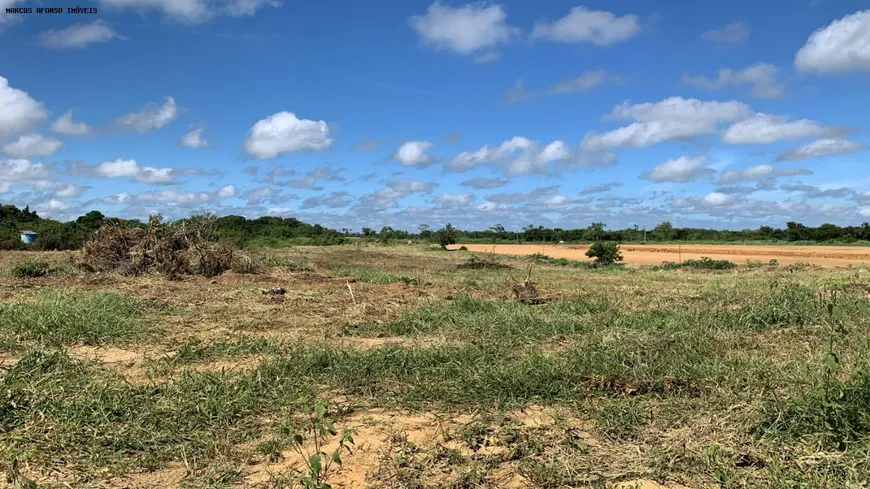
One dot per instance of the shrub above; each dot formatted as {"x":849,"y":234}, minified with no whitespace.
{"x":705,"y":263}
{"x":562,"y":262}
{"x":31,"y":268}
{"x":708,"y":263}
{"x":605,"y":253}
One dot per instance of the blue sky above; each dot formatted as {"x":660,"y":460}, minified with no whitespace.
{"x":350,"y":114}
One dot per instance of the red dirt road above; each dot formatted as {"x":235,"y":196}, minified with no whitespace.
{"x":655,"y":254}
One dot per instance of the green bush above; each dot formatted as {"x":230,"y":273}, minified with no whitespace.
{"x":705,"y":263}
{"x":605,"y":253}
{"x":708,"y":263}
{"x":31,"y":268}
{"x":562,"y":262}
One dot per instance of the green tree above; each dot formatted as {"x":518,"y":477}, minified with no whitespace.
{"x":386,"y":234}
{"x":605,"y":253}
{"x":595,"y":231}
{"x":664,"y":231}
{"x":91,"y":221}
{"x":447,"y":236}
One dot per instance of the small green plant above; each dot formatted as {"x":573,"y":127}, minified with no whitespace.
{"x":17,"y":480}
{"x":622,"y":418}
{"x":319,"y":428}
{"x":31,"y":268}
{"x":798,"y":266}
{"x":605,"y":253}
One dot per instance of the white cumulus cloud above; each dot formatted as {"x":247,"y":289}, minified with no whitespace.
{"x":78,"y":36}
{"x":840,"y":47}
{"x":22,"y":171}
{"x":766,"y":128}
{"x":283,"y":132}
{"x":194,"y":11}
{"x":583,"y":25}
{"x":514,"y":157}
{"x":18,"y":110}
{"x":121,"y":168}
{"x":32,"y":145}
{"x":759,"y":173}
{"x":149,"y":118}
{"x":473,"y":29}
{"x":65,"y":125}
{"x":820,"y":148}
{"x":413,"y":153}
{"x":227,"y":192}
{"x":454,"y":200}
{"x":194,"y":138}
{"x":717,"y":198}
{"x":674,"y":118}
{"x":762,"y":78}
{"x":680,"y":170}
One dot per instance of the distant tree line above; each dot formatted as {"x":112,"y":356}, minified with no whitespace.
{"x":279,"y":231}
{"x":664,"y":232}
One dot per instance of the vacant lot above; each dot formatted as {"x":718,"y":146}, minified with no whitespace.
{"x":655,"y":254}
{"x":611,"y":377}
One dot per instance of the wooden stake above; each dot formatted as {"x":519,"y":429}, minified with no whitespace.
{"x":351,"y":291}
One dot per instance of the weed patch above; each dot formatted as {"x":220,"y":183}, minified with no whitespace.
{"x":56,"y":318}
{"x":838,"y":419}
{"x":372,"y":275}
{"x":786,"y":304}
{"x":705,"y":263}
{"x":477,"y":263}
{"x":31,"y":268}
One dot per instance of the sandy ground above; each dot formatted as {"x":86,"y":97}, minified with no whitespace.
{"x":654,"y":254}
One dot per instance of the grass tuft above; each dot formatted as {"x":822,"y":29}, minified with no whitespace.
{"x":31,"y":268}
{"x":55,"y":318}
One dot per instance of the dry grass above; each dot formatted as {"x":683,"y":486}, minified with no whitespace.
{"x":620,"y":376}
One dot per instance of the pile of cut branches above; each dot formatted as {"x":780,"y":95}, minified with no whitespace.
{"x":186,"y":247}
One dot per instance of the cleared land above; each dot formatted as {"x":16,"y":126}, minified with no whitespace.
{"x":655,"y":254}
{"x":615,"y":377}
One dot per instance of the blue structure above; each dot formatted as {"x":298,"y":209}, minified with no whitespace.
{"x":28,"y":236}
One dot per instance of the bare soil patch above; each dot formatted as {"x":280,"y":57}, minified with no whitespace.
{"x":827,"y":256}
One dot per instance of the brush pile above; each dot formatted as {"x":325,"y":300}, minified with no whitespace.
{"x":186,"y":247}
